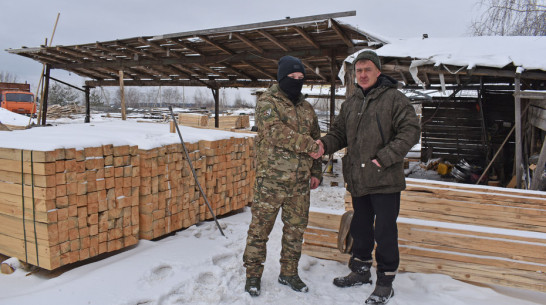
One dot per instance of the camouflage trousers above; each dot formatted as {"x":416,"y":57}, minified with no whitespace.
{"x":294,"y":215}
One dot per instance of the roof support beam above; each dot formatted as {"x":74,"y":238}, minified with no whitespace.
{"x":192,"y":59}
{"x":218,"y":46}
{"x":258,"y":69}
{"x":340,"y":33}
{"x":274,"y":40}
{"x":247,"y":42}
{"x":306,"y":36}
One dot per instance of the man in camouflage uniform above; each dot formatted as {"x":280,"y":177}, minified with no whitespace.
{"x":287,"y":130}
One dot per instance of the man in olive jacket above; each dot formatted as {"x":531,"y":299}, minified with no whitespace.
{"x":378,"y":125}
{"x":287,"y":132}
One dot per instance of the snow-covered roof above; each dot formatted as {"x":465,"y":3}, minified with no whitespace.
{"x":528,"y":52}
{"x":425,"y":61}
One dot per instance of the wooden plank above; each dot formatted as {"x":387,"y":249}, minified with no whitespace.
{"x":37,"y":192}
{"x":474,"y":272}
{"x":43,"y":169}
{"x":37,"y":156}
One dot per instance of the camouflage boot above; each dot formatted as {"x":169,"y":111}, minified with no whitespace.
{"x":294,"y":282}
{"x":360,"y":274}
{"x":383,"y":291}
{"x":252,"y":286}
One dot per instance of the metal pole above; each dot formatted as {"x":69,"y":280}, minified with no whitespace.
{"x":193,"y":171}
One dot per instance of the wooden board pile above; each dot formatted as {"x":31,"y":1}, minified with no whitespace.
{"x":66,"y":111}
{"x":59,"y":207}
{"x":169,"y":197}
{"x":203,"y":120}
{"x":482,"y":234}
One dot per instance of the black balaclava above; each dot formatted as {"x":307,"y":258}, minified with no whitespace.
{"x":291,"y":87}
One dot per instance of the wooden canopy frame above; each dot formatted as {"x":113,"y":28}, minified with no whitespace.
{"x":236,"y":56}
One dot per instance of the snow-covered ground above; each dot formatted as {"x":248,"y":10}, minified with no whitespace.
{"x":200,"y":266}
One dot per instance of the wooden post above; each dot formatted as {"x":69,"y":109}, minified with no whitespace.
{"x":517,"y":111}
{"x":122,"y":93}
{"x":46,"y":94}
{"x":216,"y":95}
{"x":87,"y":105}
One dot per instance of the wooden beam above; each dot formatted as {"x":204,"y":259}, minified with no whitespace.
{"x":314,"y":70}
{"x":122,"y":95}
{"x":306,"y":36}
{"x":195,"y":59}
{"x":341,"y":34}
{"x":247,"y":42}
{"x":186,"y":46}
{"x":274,"y":40}
{"x":217,"y":45}
{"x":240,"y":72}
{"x":259,"y":69}
{"x":258,"y":25}
{"x":192,"y":82}
{"x":110,"y":51}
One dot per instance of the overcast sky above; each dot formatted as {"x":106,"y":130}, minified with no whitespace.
{"x":29,"y":22}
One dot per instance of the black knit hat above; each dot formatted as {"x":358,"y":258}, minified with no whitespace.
{"x":369,"y":55}
{"x":289,"y":64}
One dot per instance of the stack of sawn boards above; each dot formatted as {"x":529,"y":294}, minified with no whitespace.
{"x":169,"y":197}
{"x":81,"y":203}
{"x":225,"y":121}
{"x":481,"y":234}
{"x":74,"y":204}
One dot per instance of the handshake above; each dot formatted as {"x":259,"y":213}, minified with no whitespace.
{"x":320,"y":152}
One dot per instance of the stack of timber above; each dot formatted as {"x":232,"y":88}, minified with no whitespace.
{"x":67,"y":111}
{"x":203,"y":120}
{"x":169,"y":196}
{"x":63,"y":206}
{"x":481,"y":234}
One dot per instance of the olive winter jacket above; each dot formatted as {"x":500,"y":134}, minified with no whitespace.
{"x":383,"y":126}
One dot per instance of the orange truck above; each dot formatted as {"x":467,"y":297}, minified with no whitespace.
{"x":17,"y":98}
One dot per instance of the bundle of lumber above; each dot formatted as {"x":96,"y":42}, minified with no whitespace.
{"x":476,"y":233}
{"x":59,"y":207}
{"x":193,"y":119}
{"x":66,"y":111}
{"x":203,"y":120}
{"x":169,"y":196}
{"x":483,"y":234}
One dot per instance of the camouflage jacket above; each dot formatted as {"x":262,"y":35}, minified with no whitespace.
{"x":381,"y":125}
{"x":286,"y":134}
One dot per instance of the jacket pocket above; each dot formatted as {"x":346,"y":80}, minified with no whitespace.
{"x":375,"y":176}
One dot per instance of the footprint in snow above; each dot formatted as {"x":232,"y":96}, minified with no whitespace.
{"x":223,"y":259}
{"x":158,"y":273}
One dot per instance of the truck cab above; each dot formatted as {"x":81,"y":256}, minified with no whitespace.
{"x":19,"y":100}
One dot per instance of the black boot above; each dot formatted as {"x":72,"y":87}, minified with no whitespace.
{"x":252,"y":286}
{"x":360,"y":274}
{"x":293,"y":282}
{"x":383,"y":291}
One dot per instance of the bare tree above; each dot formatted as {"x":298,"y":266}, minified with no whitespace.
{"x":511,"y":18}
{"x":6,"y":77}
